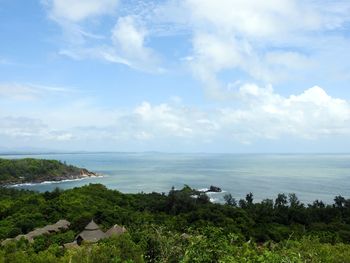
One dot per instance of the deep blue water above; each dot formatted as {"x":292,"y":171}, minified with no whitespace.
{"x":318,"y":176}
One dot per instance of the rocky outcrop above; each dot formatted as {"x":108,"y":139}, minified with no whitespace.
{"x":86,"y":173}
{"x":214,"y":189}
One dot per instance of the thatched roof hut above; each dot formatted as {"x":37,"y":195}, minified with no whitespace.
{"x":115,"y":231}
{"x":62,"y":224}
{"x":54,"y":228}
{"x":185,"y":236}
{"x":92,"y":233}
{"x":6,"y":241}
{"x":57,"y":227}
{"x":35,"y":233}
{"x":73,"y":244}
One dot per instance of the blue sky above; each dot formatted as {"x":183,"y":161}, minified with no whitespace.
{"x":175,"y":75}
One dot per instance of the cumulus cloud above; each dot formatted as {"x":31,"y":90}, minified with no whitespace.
{"x":263,"y":19}
{"x":309,"y":115}
{"x":225,"y":43}
{"x":30,"y":128}
{"x":265,"y":115}
{"x":128,"y":36}
{"x":269,"y":41}
{"x":262,"y":115}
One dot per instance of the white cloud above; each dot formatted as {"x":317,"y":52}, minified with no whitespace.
{"x":72,"y":15}
{"x":128,"y":36}
{"x":271,"y":20}
{"x":268,"y":41}
{"x":16,"y":91}
{"x":310,"y":115}
{"x":264,"y":115}
{"x":124,"y":45}
{"x":78,"y":10}
{"x":261,"y":114}
{"x":264,"y":41}
{"x":30,"y":128}
{"x":104,"y":53}
{"x":128,"y":47}
{"x":28,"y":91}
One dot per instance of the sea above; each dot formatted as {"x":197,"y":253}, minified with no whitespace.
{"x":309,"y":176}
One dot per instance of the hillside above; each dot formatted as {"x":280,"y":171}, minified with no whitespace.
{"x":174,"y":228}
{"x":29,"y":170}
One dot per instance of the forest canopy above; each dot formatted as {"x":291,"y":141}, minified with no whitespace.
{"x":175,"y":227}
{"x":36,"y":170}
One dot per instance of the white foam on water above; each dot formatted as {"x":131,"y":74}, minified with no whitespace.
{"x":52,"y":182}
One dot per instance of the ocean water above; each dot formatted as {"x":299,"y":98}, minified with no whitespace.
{"x":310,"y":176}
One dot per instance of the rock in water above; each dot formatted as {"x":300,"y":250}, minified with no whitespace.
{"x":214,"y":189}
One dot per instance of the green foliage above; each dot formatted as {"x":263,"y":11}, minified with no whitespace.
{"x":33,"y":170}
{"x":182,"y":226}
{"x":116,"y":249}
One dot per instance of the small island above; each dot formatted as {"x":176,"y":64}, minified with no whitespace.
{"x":30,"y":170}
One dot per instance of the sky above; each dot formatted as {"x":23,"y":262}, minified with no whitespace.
{"x":235,"y":76}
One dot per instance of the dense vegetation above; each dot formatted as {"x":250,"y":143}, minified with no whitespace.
{"x":176,"y":227}
{"x":35,"y":170}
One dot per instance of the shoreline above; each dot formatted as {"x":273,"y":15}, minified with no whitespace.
{"x":43,"y":182}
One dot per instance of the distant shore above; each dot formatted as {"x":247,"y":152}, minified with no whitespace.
{"x":56,"y":180}
{"x":30,"y":171}
{"x":52,"y":181}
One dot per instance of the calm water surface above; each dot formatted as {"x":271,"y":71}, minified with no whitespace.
{"x":309,"y":176}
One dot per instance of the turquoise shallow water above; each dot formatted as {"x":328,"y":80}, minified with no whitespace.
{"x":311,"y":177}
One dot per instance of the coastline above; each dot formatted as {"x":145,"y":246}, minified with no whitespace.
{"x":61,"y":179}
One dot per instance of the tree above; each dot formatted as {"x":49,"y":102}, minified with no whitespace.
{"x":339,"y":201}
{"x":294,"y":201}
{"x":249,"y":198}
{"x":229,"y":200}
{"x":318,"y":204}
{"x":281,"y":201}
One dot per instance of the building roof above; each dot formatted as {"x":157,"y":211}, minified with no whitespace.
{"x":62,"y":224}
{"x":36,"y":232}
{"x":7,"y":240}
{"x":57,"y":227}
{"x":91,"y":233}
{"x":92,"y":226}
{"x":71,"y":244}
{"x":115,"y":230}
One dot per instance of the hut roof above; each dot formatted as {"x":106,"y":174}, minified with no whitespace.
{"x":91,"y":233}
{"x":62,"y":224}
{"x":57,"y":227}
{"x":51,"y":228}
{"x":185,"y":236}
{"x":36,"y":233}
{"x":116,"y":230}
{"x":71,"y":244}
{"x":20,"y":236}
{"x":92,"y":226}
{"x":7,"y":240}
